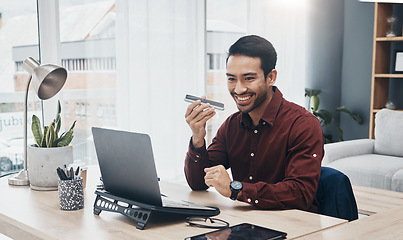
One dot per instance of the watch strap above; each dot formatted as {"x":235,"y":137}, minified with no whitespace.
{"x":234,"y":194}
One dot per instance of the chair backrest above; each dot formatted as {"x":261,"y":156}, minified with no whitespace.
{"x":335,"y":195}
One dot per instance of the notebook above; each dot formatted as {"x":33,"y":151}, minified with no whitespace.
{"x":128,"y":171}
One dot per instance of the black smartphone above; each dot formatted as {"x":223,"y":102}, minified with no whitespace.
{"x":242,"y":231}
{"x":214,"y":104}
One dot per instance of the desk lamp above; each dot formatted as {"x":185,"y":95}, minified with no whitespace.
{"x":47,"y":80}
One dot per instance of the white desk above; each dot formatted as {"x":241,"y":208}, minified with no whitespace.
{"x":29,"y":214}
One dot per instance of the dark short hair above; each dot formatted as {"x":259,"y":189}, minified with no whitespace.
{"x":255,"y":46}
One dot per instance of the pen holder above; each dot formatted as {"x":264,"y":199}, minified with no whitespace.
{"x":71,"y":194}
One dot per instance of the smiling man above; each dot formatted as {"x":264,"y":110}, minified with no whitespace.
{"x":273,"y":147}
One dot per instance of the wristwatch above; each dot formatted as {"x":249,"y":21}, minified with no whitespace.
{"x":236,"y":187}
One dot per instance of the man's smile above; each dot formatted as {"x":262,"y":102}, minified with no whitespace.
{"x":243,"y":99}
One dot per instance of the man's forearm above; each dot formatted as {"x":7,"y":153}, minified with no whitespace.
{"x":197,"y":142}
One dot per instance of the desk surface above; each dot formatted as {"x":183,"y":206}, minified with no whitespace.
{"x":383,"y":225}
{"x":29,"y":214}
{"x":374,"y":200}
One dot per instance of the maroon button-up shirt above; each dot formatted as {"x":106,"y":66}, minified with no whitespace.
{"x":278,"y":161}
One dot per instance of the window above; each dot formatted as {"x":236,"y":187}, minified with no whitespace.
{"x":82,"y":111}
{"x":216,"y":61}
{"x":131,"y":62}
{"x":66,"y":109}
{"x":100,"y":112}
{"x":78,"y":110}
{"x":88,"y":110}
{"x":283,"y":23}
{"x":14,"y":16}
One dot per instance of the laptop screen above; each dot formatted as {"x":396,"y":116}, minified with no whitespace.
{"x":127,"y":165}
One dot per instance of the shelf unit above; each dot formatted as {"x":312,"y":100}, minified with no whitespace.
{"x":381,"y":61}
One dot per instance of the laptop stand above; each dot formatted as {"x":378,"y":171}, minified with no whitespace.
{"x":105,"y":201}
{"x":141,"y":212}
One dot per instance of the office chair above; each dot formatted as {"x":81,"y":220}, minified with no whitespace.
{"x":335,"y":195}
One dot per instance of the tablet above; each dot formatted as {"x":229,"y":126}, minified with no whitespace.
{"x":242,"y":231}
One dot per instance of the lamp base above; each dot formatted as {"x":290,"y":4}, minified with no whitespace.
{"x":21,"y":179}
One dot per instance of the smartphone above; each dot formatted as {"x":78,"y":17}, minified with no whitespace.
{"x":214,"y":104}
{"x":242,"y":231}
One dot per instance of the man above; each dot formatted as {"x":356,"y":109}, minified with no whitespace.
{"x":273,"y":147}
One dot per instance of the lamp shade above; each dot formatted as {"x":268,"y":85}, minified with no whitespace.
{"x":47,"y":79}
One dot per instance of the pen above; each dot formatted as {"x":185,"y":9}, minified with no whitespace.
{"x":61,"y":173}
{"x":71,"y":173}
{"x":66,"y":172}
{"x":77,"y":171}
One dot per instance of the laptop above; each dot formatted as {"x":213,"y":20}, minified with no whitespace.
{"x":128,"y":171}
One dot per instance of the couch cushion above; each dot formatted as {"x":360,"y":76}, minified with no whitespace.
{"x":389,"y":133}
{"x":371,"y":170}
{"x":397,"y":181}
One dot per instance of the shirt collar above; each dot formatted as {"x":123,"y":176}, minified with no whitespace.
{"x":269,"y":116}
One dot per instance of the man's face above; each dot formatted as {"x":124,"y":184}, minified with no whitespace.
{"x":246,"y":82}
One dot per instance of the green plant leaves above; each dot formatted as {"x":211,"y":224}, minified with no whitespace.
{"x":66,"y":139}
{"x":58,"y":119}
{"x":315,"y":103}
{"x":326,"y":117}
{"x":311,"y":92}
{"x":50,"y":137}
{"x":73,"y":125}
{"x":37,"y":130}
{"x":355,"y":116}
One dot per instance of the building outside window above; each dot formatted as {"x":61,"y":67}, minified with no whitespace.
{"x":66,"y":109}
{"x":88,"y":110}
{"x":100,"y":112}
{"x":15,"y":16}
{"x":132,"y":62}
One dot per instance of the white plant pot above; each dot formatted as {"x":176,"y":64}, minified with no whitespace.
{"x":42,"y":164}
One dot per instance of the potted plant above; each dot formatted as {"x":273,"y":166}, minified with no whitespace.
{"x":50,"y":151}
{"x":326,"y":117}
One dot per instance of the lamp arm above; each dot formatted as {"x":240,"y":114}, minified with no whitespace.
{"x":26,"y":123}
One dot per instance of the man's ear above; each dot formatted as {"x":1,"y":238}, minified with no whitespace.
{"x":271,"y":77}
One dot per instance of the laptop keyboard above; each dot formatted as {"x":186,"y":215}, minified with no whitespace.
{"x":168,"y":202}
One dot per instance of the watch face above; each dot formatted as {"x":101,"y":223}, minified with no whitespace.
{"x":237,"y":185}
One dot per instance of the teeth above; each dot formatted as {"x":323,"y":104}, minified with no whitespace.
{"x":243,"y":98}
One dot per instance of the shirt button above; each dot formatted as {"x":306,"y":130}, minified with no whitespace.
{"x":256,"y":201}
{"x":195,"y":160}
{"x":197,"y":155}
{"x":255,"y":131}
{"x":250,"y":177}
{"x":314,"y":155}
{"x":249,"y":200}
{"x":264,"y":123}
{"x":252,"y":154}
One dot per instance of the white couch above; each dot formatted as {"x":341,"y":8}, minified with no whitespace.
{"x":375,"y":162}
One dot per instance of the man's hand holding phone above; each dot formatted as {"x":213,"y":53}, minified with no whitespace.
{"x":197,"y":114}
